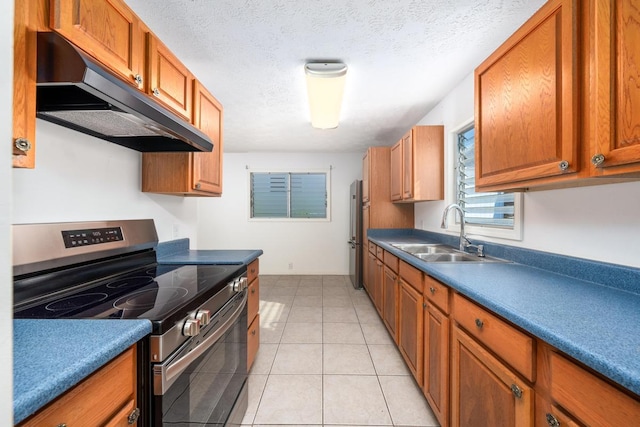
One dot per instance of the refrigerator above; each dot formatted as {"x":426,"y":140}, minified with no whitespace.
{"x":355,"y":234}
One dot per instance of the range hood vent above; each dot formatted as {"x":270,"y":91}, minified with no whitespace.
{"x":75,"y":91}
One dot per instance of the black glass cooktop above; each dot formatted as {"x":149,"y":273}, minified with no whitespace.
{"x":157,"y":293}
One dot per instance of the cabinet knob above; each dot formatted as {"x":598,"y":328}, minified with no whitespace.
{"x":597,"y":160}
{"x":479,"y":323}
{"x":517,"y":391}
{"x":253,"y":332}
{"x":198,"y":185}
{"x":432,"y":289}
{"x":552,"y":421}
{"x":253,"y":291}
{"x":138,"y":79}
{"x":23,"y":144}
{"x":424,"y":305}
{"x":563,"y":165}
{"x":133,"y":416}
{"x":156,"y":92}
{"x":62,"y":425}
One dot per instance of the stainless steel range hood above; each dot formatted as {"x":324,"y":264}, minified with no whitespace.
{"x":74,"y":91}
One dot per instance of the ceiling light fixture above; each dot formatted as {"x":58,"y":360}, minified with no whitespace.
{"x":325,"y":85}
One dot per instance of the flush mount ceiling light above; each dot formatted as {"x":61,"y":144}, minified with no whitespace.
{"x":325,"y":85}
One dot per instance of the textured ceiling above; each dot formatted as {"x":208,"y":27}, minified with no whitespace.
{"x":403,"y":57}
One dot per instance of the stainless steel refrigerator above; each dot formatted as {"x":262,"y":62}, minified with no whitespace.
{"x":355,"y":235}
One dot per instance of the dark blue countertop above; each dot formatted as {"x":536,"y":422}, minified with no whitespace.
{"x":51,"y":356}
{"x":587,"y":309}
{"x":178,"y":252}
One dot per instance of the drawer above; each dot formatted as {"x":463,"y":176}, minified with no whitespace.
{"x":253,"y":270}
{"x":514,"y":347}
{"x":372,"y":247}
{"x":253,"y":341}
{"x":588,"y":398}
{"x":391,"y":261}
{"x":101,"y":399}
{"x":253,"y":299}
{"x":437,"y":293}
{"x":379,"y":252}
{"x":411,"y":275}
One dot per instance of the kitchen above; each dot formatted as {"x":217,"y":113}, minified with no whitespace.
{"x":591,"y":222}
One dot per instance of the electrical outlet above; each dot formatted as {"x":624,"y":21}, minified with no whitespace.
{"x":290,"y":266}
{"x":176,"y":231}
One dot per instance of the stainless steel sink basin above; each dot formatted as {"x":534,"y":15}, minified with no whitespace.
{"x":424,"y":248}
{"x":441,"y":253}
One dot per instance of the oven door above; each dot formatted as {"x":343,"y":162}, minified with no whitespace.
{"x":205,"y":382}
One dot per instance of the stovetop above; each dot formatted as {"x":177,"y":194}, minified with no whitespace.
{"x":160,"y":293}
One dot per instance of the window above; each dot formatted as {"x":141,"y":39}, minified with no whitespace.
{"x":289,"y":195}
{"x":486,"y":213}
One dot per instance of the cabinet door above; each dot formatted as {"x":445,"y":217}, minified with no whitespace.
{"x":207,"y":116}
{"x":378,"y":283}
{"x":365,"y":178}
{"x":371,"y":276}
{"x":396,"y":171}
{"x":484,"y":392}
{"x":436,"y":362}
{"x":24,"y":85}
{"x":390,"y":290}
{"x":411,"y":333}
{"x":526,"y":102}
{"x":253,"y":341}
{"x":169,"y":80}
{"x":107,"y":30}
{"x":407,"y":165}
{"x":365,"y":224}
{"x":615,"y":107}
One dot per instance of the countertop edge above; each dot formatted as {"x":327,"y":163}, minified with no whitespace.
{"x":212,"y":256}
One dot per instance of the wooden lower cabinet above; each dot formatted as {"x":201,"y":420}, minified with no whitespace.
{"x":410,"y":321}
{"x":378,"y":284}
{"x":370,"y":276}
{"x":106,"y":398}
{"x":390,"y":301}
{"x":436,"y":362}
{"x":253,"y":315}
{"x":484,"y":391}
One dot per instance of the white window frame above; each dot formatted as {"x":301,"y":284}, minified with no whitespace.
{"x":327,"y":173}
{"x":452,"y":197}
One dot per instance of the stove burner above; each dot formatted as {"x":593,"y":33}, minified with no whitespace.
{"x":149,"y":298}
{"x":75,"y":301}
{"x":127,"y":282}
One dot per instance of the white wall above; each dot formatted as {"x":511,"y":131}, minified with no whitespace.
{"x":81,"y":178}
{"x":596,"y":222}
{"x":312,"y":247}
{"x":6,"y":288}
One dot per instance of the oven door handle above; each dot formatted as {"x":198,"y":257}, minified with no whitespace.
{"x":167,"y":373}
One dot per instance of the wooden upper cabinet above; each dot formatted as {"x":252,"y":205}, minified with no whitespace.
{"x":24,"y":84}
{"x":107,"y":30}
{"x":207,"y":116}
{"x":170,"y":81}
{"x":190,"y":174}
{"x":365,"y":178}
{"x":526,"y":102}
{"x":396,"y":171}
{"x":417,"y":165}
{"x":615,"y":106}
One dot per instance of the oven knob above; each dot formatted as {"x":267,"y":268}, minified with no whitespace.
{"x":191,"y":328}
{"x":240,"y":284}
{"x":204,"y":317}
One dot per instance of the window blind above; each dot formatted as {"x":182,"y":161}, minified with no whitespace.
{"x":288,"y":195}
{"x":493,"y":209}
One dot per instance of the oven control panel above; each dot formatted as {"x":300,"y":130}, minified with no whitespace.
{"x":92,"y":236}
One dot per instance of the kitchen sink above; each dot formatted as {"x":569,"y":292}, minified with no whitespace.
{"x":424,"y":248}
{"x":437,"y":252}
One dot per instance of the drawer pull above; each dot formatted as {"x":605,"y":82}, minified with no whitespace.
{"x":517,"y":391}
{"x":552,"y":421}
{"x":432,"y":289}
{"x":424,"y":305}
{"x":62,"y":425}
{"x":479,"y":323}
{"x":253,"y":270}
{"x":253,"y":291}
{"x":133,"y":416}
{"x":253,"y":332}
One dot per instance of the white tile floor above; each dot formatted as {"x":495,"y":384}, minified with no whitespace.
{"x":326,"y":358}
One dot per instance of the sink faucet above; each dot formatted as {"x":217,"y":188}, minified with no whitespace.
{"x":464,"y":242}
